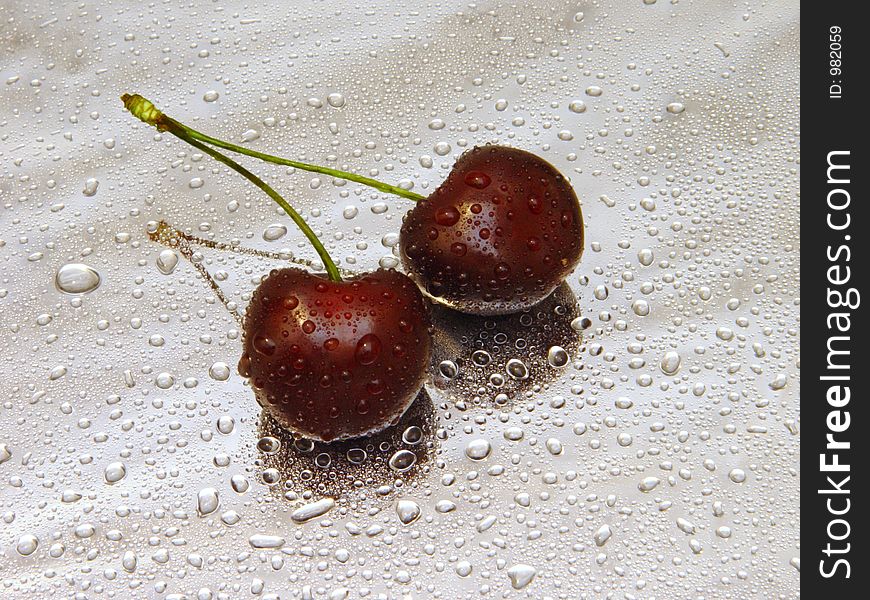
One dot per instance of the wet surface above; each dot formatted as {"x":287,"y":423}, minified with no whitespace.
{"x":636,"y":435}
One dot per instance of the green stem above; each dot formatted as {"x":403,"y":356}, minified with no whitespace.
{"x":163,"y":123}
{"x":154,"y":117}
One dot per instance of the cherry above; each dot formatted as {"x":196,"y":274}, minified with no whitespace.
{"x":498,"y":236}
{"x":334,"y":360}
{"x":502,"y":231}
{"x":328,"y":358}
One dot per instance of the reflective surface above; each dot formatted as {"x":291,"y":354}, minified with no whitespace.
{"x":634,"y":436}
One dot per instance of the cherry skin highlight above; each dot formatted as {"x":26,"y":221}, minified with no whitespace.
{"x":498,"y":236}
{"x":332,"y":360}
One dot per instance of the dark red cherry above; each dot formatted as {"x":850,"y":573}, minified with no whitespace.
{"x":498,"y":236}
{"x":335,"y":360}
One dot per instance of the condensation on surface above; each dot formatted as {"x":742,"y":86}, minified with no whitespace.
{"x":634,"y":436}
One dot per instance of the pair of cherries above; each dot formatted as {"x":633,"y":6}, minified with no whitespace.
{"x":332,"y":358}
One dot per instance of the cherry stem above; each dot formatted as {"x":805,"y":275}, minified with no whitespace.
{"x":202,"y":137}
{"x":144,"y":110}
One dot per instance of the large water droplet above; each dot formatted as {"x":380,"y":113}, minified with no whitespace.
{"x":478,"y":449}
{"x":402,"y":460}
{"x":670,"y":363}
{"x":167,"y":260}
{"x":115,"y":472}
{"x":27,"y":544}
{"x":207,"y":501}
{"x":407,"y":511}
{"x":274,"y":232}
{"x":77,"y":278}
{"x":521,"y":575}
{"x":312,"y":510}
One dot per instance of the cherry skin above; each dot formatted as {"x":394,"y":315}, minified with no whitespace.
{"x":498,"y":236}
{"x":336,"y":360}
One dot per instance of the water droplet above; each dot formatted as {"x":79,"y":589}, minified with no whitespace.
{"x":207,"y":501}
{"x":219,"y":371}
{"x":210,"y":96}
{"x":335,"y":100}
{"x":675,"y":108}
{"x":513,"y":434}
{"x":623,"y":402}
{"x":685,"y":526}
{"x":129,"y":561}
{"x":478,"y":449}
{"x":27,"y":544}
{"x":670,"y":364}
{"x":250,"y":135}
{"x":69,"y":496}
{"x":412,"y":436}
{"x":557,"y":357}
{"x":261,"y":541}
{"x":239,"y":484}
{"x":312,"y":510}
{"x":91,"y":186}
{"x":517,"y":369}
{"x":554,"y":446}
{"x":640,"y":308}
{"x":645,"y":257}
{"x":225,"y":424}
{"x":448,"y":369}
{"x":167,"y":260}
{"x":779,"y":382}
{"x":402,"y":460}
{"x":164,"y":380}
{"x":442,"y":148}
{"x":115,"y":472}
{"x":521,"y":575}
{"x":737,"y":475}
{"x":5,"y":453}
{"x":269,"y":445}
{"x":602,"y":535}
{"x":481,"y":358}
{"x":648,"y":484}
{"x":407,"y":511}
{"x":274,"y":232}
{"x":77,"y":278}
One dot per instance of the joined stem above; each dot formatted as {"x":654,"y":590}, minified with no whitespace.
{"x":144,"y":110}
